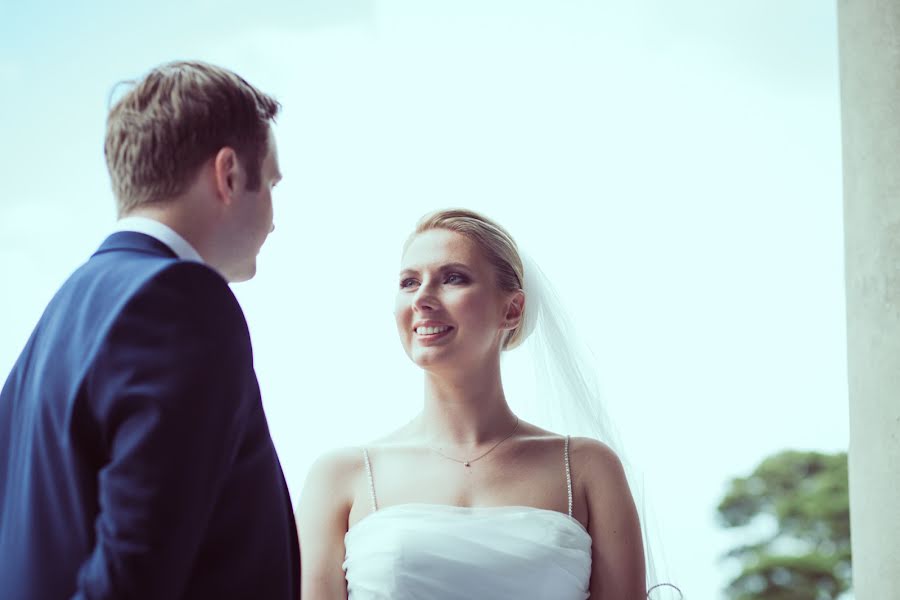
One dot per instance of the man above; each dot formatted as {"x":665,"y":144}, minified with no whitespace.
{"x":135,"y":458}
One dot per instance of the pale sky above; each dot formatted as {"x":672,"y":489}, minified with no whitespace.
{"x":674,"y":168}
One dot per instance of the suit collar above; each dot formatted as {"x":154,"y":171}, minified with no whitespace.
{"x":135,"y":242}
{"x":162,"y":232}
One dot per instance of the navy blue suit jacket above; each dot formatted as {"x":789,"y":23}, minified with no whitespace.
{"x":135,"y":458}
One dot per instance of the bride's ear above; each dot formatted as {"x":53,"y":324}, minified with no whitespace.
{"x":515,"y":308}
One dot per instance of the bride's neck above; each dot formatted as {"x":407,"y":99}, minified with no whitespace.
{"x":466,"y":410}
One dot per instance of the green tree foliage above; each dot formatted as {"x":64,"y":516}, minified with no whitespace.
{"x":803,"y":497}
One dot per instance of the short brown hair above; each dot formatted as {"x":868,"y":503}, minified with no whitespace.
{"x":498,"y":246}
{"x":173,"y":120}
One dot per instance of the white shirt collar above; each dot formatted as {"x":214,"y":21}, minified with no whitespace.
{"x":161,"y":232}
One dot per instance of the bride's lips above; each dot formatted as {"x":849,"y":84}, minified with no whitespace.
{"x":426,"y":339}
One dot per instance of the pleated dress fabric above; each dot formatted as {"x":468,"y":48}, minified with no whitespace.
{"x":442,"y":552}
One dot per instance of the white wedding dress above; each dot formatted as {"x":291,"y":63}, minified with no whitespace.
{"x":441,"y":552}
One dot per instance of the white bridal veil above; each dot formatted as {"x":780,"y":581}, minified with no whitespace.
{"x":568,"y":388}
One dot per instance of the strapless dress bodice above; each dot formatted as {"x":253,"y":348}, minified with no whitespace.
{"x":440,"y":552}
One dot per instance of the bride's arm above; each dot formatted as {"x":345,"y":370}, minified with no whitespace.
{"x":617,"y":561}
{"x":322,"y":522}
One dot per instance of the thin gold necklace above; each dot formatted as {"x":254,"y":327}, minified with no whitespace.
{"x":468,"y":463}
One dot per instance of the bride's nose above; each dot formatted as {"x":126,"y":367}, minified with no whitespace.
{"x":424,"y":299}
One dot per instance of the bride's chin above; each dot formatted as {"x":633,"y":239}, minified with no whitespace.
{"x":428,"y":358}
{"x":425,"y":361}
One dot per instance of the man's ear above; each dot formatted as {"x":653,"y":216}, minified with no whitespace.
{"x":515,"y":309}
{"x":227,"y":173}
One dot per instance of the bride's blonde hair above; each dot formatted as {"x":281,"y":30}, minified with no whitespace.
{"x":495,"y":242}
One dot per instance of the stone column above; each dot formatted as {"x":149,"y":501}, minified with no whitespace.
{"x":869,"y":36}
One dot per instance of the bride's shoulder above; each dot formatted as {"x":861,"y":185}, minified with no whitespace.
{"x":600,"y":476}
{"x":331,"y":481}
{"x":591,"y":449}
{"x":348,"y":462}
{"x":595,"y":461}
{"x":582,"y":449}
{"x":336,"y":466}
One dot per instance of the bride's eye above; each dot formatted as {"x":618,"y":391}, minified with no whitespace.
{"x":407,"y":283}
{"x":455,"y":278}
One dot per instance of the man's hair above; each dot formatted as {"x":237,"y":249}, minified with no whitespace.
{"x":176,"y":118}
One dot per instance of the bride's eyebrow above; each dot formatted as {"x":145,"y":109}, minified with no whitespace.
{"x":456,"y":265}
{"x":445,"y":267}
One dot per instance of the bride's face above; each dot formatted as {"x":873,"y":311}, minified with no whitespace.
{"x":449,"y":309}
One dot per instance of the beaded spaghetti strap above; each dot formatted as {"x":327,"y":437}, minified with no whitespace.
{"x":371,"y":480}
{"x":568,"y":477}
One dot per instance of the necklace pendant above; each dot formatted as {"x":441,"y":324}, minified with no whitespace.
{"x":466,"y":464}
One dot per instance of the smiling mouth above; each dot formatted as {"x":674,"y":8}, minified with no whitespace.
{"x":432,"y":331}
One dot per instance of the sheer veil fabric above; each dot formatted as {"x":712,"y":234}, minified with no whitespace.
{"x":569,"y":391}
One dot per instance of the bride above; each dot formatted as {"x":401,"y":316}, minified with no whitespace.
{"x":467,"y":500}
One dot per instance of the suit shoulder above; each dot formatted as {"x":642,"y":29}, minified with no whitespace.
{"x":190,"y":275}
{"x":190,"y":285}
{"x":186,"y":301}
{"x":111,"y":283}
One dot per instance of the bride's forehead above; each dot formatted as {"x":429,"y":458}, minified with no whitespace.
{"x":440,"y":246}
